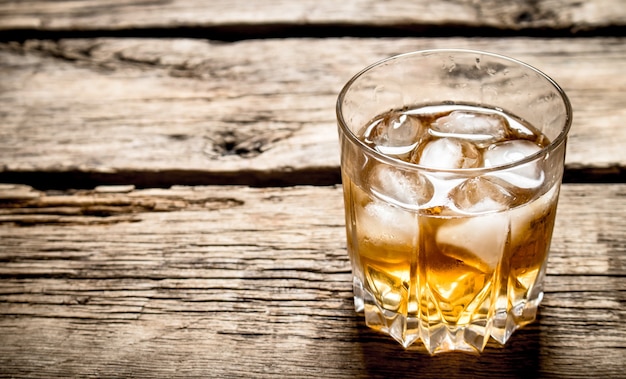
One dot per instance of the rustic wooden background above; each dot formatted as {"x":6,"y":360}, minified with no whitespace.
{"x":171,"y":204}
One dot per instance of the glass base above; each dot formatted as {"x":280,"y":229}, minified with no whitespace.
{"x":442,"y":337}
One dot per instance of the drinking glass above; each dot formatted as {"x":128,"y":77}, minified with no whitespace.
{"x":446,"y":253}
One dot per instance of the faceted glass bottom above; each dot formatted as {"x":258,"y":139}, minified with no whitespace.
{"x":443,"y":337}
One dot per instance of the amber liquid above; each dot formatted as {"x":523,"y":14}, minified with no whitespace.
{"x":449,"y":278}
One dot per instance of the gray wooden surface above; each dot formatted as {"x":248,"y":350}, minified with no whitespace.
{"x":235,"y":15}
{"x":206,"y":112}
{"x":131,"y":241}
{"x":236,"y":281}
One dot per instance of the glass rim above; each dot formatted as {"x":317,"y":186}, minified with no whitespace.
{"x":459,"y":171}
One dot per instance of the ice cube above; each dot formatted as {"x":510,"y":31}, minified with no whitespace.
{"x":523,"y":218}
{"x":397,"y":134}
{"x":481,"y":128}
{"x":525,"y":176}
{"x":480,"y":195}
{"x":386,"y":223}
{"x":448,"y":153}
{"x":483,"y":237}
{"x":404,"y":188}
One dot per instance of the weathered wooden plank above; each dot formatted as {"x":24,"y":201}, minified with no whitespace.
{"x":236,"y":281}
{"x":127,"y":14}
{"x":160,"y":112}
{"x":588,"y":238}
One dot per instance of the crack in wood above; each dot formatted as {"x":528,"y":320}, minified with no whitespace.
{"x":245,"y":142}
{"x":24,"y":206}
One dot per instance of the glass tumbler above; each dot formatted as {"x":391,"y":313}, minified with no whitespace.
{"x":451,"y":164}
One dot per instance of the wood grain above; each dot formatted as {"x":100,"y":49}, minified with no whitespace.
{"x":178,"y":111}
{"x":235,"y":281}
{"x":127,"y":14}
{"x":230,"y":281}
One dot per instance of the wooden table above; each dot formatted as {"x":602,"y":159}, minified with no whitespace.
{"x":171,"y":204}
